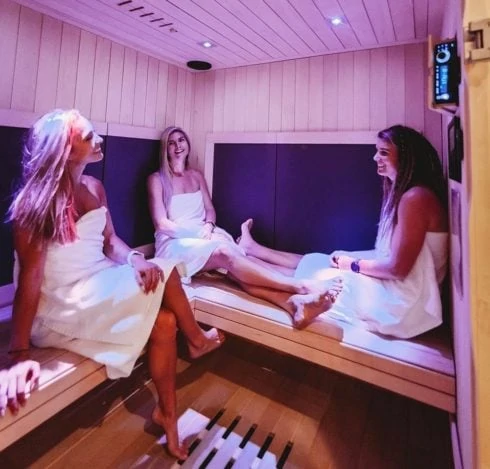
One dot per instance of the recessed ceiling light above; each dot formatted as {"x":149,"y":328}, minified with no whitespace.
{"x":336,"y":20}
{"x":206,"y":44}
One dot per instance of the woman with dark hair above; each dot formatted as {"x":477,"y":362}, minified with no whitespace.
{"x":393,"y":289}
{"x":79,"y":286}
{"x":186,"y":231}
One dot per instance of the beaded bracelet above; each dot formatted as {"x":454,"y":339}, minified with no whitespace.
{"x":131,"y":254}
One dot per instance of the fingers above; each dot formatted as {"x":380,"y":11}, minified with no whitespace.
{"x":149,"y":278}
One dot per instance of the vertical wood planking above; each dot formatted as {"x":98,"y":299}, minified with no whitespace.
{"x":198,"y":124}
{"x":219,"y":101}
{"x":262,"y":119}
{"x":161,"y":95}
{"x":275,"y":97}
{"x":190,"y":84}
{"x":140,"y":89}
{"x":301,"y":94}
{"x":67,"y":76}
{"x":378,"y":89}
{"x":128,"y":83}
{"x":330,"y":91}
{"x":229,"y":108}
{"x":288,"y":94}
{"x":346,"y":91}
{"x":101,"y":79}
{"x":316,"y":87}
{"x":171,"y":96}
{"x":414,"y":94}
{"x":151,"y":93}
{"x":251,"y":98}
{"x":85,"y":73}
{"x":180,"y":98}
{"x":243,"y":106}
{"x":361,"y":91}
{"x":49,"y":63}
{"x":395,"y":76}
{"x":114,"y":89}
{"x":9,"y":26}
{"x":26,"y":60}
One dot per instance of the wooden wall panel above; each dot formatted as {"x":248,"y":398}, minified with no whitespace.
{"x":364,"y":90}
{"x":67,"y":75}
{"x":47,"y":63}
{"x":85,"y":73}
{"x":9,"y":25}
{"x":101,"y":79}
{"x":26,"y":60}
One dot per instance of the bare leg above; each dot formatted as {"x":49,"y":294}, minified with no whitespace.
{"x":162,"y":353}
{"x":303,"y":308}
{"x":199,"y":341}
{"x":274,"y":267}
{"x":272,"y":256}
{"x":245,"y":270}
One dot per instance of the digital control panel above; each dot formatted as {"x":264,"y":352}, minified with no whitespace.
{"x":446,"y":73}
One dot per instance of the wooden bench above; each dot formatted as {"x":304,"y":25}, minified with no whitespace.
{"x":65,"y":377}
{"x":420,"y":368}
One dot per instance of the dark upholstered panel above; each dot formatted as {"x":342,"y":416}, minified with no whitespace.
{"x":304,"y":198}
{"x":11,"y":169}
{"x":328,"y":197}
{"x":128,"y":163}
{"x":244,"y":187}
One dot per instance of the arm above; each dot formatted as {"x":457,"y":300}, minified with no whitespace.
{"x":32,"y":258}
{"x":158,"y":212}
{"x":407,"y":241}
{"x":210,"y":213}
{"x":147,"y":274}
{"x":19,"y":380}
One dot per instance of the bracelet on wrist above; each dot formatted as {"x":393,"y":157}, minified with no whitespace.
{"x":130,"y":256}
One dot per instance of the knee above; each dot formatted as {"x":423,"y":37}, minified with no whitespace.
{"x":165,"y":327}
{"x":226,"y":255}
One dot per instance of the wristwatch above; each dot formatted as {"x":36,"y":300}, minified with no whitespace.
{"x":354,"y":266}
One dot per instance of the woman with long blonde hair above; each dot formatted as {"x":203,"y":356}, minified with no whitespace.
{"x":185,"y":230}
{"x":79,"y":286}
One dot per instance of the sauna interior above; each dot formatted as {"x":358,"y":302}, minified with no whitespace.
{"x":282,"y":101}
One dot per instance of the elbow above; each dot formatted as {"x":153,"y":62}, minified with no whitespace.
{"x":399,"y":272}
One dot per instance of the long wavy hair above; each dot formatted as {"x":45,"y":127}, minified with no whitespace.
{"x":418,"y":165}
{"x":44,"y":205}
{"x":166,"y":172}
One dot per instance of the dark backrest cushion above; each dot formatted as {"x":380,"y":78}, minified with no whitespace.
{"x":304,"y":198}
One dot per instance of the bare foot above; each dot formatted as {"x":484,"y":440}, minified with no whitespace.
{"x":245,"y":241}
{"x":306,"y":307}
{"x":210,"y":341}
{"x":170,"y":426}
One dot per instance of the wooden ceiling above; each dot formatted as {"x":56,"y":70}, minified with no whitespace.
{"x":245,"y":32}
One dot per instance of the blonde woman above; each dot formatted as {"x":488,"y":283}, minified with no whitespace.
{"x":79,"y":286}
{"x":185,"y":229}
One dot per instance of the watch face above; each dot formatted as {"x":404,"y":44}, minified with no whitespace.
{"x":355,"y":266}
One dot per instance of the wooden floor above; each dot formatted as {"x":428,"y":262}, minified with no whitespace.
{"x":333,"y":421}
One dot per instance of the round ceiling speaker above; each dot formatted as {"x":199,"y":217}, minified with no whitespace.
{"x":198,"y":65}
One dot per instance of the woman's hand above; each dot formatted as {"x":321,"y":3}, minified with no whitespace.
{"x":342,"y":262}
{"x":16,"y":384}
{"x":206,"y":231}
{"x":148,"y":275}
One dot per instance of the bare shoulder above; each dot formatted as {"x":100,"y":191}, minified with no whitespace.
{"x":418,"y":195}
{"x":425,"y":203}
{"x":94,"y":185}
{"x":195,"y":173}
